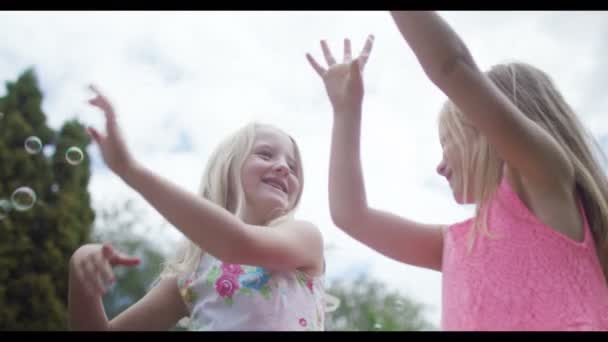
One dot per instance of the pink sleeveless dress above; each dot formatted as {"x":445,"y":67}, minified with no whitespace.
{"x":527,"y":276}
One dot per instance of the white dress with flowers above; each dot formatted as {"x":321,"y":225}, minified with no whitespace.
{"x":226,"y":297}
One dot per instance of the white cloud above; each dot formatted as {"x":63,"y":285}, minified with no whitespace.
{"x":204,"y":74}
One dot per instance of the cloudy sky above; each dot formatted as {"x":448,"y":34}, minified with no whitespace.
{"x":181,"y":81}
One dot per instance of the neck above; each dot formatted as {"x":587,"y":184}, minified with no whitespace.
{"x":255,"y":217}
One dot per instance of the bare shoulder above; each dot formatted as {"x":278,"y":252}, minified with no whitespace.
{"x":307,"y":231}
{"x":301,"y":225}
{"x":310,"y":238}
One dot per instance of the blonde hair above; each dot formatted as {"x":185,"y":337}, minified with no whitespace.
{"x":221,"y":184}
{"x":533,"y":92}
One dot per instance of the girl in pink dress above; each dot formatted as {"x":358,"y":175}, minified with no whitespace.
{"x":535,"y":256}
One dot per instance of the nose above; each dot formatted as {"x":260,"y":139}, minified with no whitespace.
{"x":281,"y":168}
{"x":441,"y":167}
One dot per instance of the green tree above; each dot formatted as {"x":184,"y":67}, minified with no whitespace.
{"x":37,"y":243}
{"x":366,"y":304}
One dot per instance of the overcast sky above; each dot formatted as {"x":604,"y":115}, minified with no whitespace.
{"x":182,"y":81}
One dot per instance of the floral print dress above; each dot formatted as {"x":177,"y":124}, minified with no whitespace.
{"x":226,"y":297}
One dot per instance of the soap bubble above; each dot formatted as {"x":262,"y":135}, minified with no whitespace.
{"x":74,"y":155}
{"x":23,"y":198}
{"x":33,"y":145}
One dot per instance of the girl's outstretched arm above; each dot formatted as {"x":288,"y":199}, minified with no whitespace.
{"x":446,"y":60}
{"x":291,"y":245}
{"x":401,"y":239}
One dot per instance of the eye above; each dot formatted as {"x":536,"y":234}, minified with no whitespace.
{"x":292,"y":168}
{"x":266,"y":155}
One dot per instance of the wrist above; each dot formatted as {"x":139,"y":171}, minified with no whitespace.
{"x":131,"y":173}
{"x":347,"y":112}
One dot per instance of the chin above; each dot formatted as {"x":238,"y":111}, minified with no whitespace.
{"x":458,"y":198}
{"x":276,"y":204}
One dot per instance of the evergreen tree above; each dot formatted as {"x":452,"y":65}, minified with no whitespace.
{"x":36,"y":243}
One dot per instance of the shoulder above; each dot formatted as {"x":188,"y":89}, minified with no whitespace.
{"x":456,"y":225}
{"x":310,"y":238}
{"x":301,"y":226}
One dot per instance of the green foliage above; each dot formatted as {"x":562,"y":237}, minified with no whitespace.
{"x":366,"y":304}
{"x":37,"y":243}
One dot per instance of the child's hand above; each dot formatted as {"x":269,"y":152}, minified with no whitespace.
{"x":343,"y":81}
{"x":113,"y":148}
{"x":92,"y":264}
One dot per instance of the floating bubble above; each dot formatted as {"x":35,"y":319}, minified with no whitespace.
{"x":23,"y":198}
{"x":5,"y":207}
{"x":74,"y":155}
{"x":33,"y":145}
{"x":55,"y":187}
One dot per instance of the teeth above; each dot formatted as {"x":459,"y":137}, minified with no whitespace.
{"x":274,"y":184}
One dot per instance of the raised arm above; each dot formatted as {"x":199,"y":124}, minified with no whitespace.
{"x":524,"y":145}
{"x":292,"y":245}
{"x":399,"y":238}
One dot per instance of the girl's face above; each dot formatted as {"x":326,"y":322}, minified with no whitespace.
{"x":452,"y":167}
{"x":269,"y":176}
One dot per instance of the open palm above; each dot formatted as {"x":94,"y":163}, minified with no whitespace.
{"x":112,"y":145}
{"x":343,"y":81}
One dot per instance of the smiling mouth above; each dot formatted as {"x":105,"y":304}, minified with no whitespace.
{"x":276,"y":185}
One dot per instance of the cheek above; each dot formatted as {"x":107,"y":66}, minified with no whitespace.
{"x":249,"y":176}
{"x":294,"y":183}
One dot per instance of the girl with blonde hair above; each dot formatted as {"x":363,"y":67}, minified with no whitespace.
{"x":247,"y":264}
{"x":535,"y":255}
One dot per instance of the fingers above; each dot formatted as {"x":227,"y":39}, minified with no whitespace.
{"x":355,"y":71}
{"x":105,"y":276}
{"x":318,"y":68}
{"x":347,"y":52}
{"x":117,"y":258}
{"x":92,"y":278}
{"x":107,"y":251}
{"x":94,"y":89}
{"x":83,"y":277}
{"x":367,"y":48}
{"x":362,"y":59}
{"x":102,"y":103}
{"x":124,"y":260}
{"x":328,"y":57}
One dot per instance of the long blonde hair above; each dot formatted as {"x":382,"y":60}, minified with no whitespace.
{"x":533,"y":92}
{"x":221,"y":184}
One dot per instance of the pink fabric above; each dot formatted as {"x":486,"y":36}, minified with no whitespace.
{"x":527,"y":276}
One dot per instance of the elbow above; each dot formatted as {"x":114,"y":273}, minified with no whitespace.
{"x":347,"y":218}
{"x":459,"y":61}
{"x":238,"y":250}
